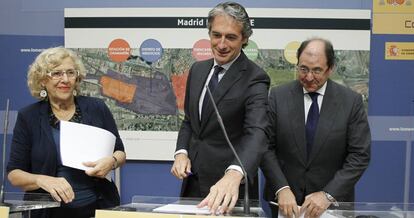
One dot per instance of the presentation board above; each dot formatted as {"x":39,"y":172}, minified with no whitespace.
{"x":138,"y":59}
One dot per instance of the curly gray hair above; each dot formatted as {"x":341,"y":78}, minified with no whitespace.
{"x":48,"y":60}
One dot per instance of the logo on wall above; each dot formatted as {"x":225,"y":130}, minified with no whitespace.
{"x":395,"y":2}
{"x":202,"y":50}
{"x":119,"y":50}
{"x":393,"y":50}
{"x":399,"y":51}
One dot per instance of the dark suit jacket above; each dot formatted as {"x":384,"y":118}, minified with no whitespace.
{"x":241,"y":98}
{"x":33,"y":149}
{"x":341,"y":150}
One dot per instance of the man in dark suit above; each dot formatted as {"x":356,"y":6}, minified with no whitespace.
{"x":203,"y":158}
{"x":320,"y":138}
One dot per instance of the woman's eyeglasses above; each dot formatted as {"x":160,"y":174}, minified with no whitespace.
{"x":58,"y":74}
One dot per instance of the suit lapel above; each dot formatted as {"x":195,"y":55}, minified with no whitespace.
{"x":86,"y":117}
{"x":199,"y":78}
{"x":296,"y":110}
{"x":45,"y":126}
{"x":234,"y":73}
{"x":326,"y":119}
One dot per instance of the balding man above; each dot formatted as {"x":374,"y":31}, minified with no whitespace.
{"x":320,"y":138}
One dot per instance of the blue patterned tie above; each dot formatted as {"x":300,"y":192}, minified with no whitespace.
{"x":312,"y":122}
{"x":212,"y":85}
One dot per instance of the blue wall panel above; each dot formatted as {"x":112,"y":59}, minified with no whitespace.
{"x":148,"y":178}
{"x":411,"y":191}
{"x":14,"y":66}
{"x":383,"y":181}
{"x":390,"y":83}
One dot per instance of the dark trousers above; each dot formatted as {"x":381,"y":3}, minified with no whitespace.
{"x":79,"y":212}
{"x":191,"y":188}
{"x":275,"y":210}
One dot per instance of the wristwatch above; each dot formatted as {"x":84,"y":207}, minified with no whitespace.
{"x":115,"y":165}
{"x":330,"y":198}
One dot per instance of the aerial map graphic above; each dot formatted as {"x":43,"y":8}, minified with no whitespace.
{"x":146,"y":95}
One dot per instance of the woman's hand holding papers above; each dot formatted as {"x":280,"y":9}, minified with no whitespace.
{"x":100,"y":168}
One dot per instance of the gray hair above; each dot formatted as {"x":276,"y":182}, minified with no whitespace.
{"x":237,"y":12}
{"x":48,"y":60}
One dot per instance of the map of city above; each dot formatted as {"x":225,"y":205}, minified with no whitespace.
{"x":146,"y":96}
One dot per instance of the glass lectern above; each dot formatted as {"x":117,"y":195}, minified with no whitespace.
{"x":150,"y":206}
{"x":372,"y":210}
{"x":175,"y":207}
{"x":19,"y":202}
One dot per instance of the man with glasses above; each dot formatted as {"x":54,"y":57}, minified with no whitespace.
{"x":320,"y":138}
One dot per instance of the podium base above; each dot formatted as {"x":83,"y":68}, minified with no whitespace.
{"x":242,"y":214}
{"x":4,"y":204}
{"x":123,"y":208}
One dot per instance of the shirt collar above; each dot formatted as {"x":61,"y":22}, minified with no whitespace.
{"x":320,"y":91}
{"x":226,"y":66}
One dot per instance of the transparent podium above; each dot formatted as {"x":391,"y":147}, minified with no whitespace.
{"x":175,"y":207}
{"x":18,"y":202}
{"x":371,"y":210}
{"x":171,"y":207}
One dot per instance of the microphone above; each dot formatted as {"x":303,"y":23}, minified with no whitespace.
{"x":6,"y":124}
{"x":246,"y":206}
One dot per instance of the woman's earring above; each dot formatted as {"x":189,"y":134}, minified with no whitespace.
{"x":43,"y":93}
{"x":75,"y":93}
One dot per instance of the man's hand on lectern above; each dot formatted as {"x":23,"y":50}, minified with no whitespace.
{"x":224,"y":194}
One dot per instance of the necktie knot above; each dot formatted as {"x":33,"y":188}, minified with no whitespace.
{"x":217,"y":70}
{"x":314,"y":96}
{"x":214,"y":78}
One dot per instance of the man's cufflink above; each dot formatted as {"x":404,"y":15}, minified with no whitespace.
{"x":278,"y":191}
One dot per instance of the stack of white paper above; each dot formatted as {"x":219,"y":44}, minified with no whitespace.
{"x":81,"y":143}
{"x":182,"y":209}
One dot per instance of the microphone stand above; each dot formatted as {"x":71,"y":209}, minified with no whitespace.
{"x":246,"y":206}
{"x":6,"y":123}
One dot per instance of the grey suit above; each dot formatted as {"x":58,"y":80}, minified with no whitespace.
{"x":341,"y":150}
{"x":241,"y":98}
